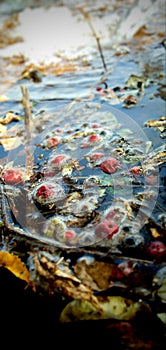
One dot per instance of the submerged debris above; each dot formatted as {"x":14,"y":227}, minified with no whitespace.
{"x":82,"y":188}
{"x":9,"y":117}
{"x":137,"y":82}
{"x":114,"y":307}
{"x":159,"y":124}
{"x":92,"y":184}
{"x":129,"y":95}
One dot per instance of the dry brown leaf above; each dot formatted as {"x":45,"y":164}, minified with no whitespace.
{"x":156,"y":123}
{"x":6,"y":31}
{"x":77,"y":292}
{"x":9,"y":117}
{"x":81,"y":270}
{"x":144,"y":36}
{"x":59,"y":70}
{"x":98,"y":274}
{"x":6,"y":39}
{"x":64,"y":281}
{"x":15,"y":265}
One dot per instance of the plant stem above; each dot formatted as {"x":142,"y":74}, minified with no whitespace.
{"x":87,"y":17}
{"x":28,"y":125}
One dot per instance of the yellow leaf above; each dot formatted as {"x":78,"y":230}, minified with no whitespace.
{"x":2,"y":130}
{"x":9,"y":117}
{"x":67,"y":170}
{"x":15,"y":265}
{"x":10,"y":143}
{"x":112,"y":307}
{"x":155,"y":233}
{"x":3,"y":98}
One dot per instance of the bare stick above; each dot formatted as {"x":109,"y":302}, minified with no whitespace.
{"x":28,"y":125}
{"x":86,"y":16}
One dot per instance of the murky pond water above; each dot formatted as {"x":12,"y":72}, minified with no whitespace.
{"x":88,"y":168}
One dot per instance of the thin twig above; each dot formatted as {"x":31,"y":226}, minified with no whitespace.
{"x":87,"y":17}
{"x":28,"y":125}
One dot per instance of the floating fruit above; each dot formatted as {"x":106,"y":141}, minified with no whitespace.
{"x":110,"y":165}
{"x":11,"y":176}
{"x":48,"y":192}
{"x":106,"y":228}
{"x":93,"y":138}
{"x":156,"y":249}
{"x":52,"y":142}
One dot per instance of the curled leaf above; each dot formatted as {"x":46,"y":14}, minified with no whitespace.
{"x":9,"y":117}
{"x":15,"y":265}
{"x":10,"y":143}
{"x":114,"y":307}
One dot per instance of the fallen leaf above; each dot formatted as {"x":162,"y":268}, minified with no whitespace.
{"x":9,"y":117}
{"x":3,"y":98}
{"x":63,"y":280}
{"x":155,"y":233}
{"x":98,"y":275}
{"x":113,"y":307}
{"x":161,"y":293}
{"x":15,"y":265}
{"x":2,"y":130}
{"x":10,"y":143}
{"x":155,"y":123}
{"x":67,"y":170}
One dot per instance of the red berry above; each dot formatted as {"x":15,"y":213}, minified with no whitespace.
{"x":135,"y":170}
{"x":58,"y":159}
{"x":110,"y":214}
{"x":106,"y":228}
{"x":156,"y":249}
{"x":84,"y":145}
{"x":94,"y":126}
{"x":52,"y":142}
{"x":45,"y":191}
{"x":48,"y":192}
{"x":12,"y":176}
{"x":99,"y":88}
{"x":101,"y":91}
{"x":110,"y":165}
{"x":70,"y":234}
{"x":96,"y":156}
{"x":93,"y":138}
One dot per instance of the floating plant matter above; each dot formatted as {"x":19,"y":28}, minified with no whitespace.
{"x":90,"y":184}
{"x":82,"y":202}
